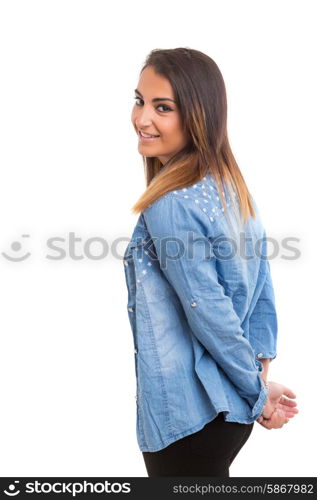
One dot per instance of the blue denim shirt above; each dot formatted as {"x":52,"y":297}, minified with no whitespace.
{"x":202,"y":313}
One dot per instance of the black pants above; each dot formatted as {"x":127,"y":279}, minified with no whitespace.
{"x":208,"y":452}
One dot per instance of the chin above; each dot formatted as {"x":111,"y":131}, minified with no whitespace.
{"x":146,"y":152}
{"x":148,"y":156}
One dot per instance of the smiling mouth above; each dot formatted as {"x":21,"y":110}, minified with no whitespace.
{"x":147,"y":136}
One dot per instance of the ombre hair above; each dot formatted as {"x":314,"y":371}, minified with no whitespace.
{"x":200,"y":95}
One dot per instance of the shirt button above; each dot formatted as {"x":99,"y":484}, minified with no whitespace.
{"x":126,"y":263}
{"x":136,"y":398}
{"x":130,"y":309}
{"x":260,"y":354}
{"x":193,"y":304}
{"x":135,"y":351}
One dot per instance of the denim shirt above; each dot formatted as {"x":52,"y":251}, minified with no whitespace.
{"x":202,"y":314}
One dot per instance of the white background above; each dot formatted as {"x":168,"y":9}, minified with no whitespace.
{"x":69,"y":164}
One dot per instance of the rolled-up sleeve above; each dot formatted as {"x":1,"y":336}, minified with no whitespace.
{"x":182,"y":235}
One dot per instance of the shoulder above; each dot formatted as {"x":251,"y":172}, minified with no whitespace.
{"x":201,"y":196}
{"x":198,"y":204}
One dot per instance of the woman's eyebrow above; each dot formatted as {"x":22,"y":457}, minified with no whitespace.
{"x":155,"y":98}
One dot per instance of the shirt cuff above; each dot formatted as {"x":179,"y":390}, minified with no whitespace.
{"x":260,"y":403}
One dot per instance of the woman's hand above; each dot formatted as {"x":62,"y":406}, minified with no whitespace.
{"x":276,"y":421}
{"x":278,"y":409}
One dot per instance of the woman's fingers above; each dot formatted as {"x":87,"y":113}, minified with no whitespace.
{"x":288,"y":402}
{"x":288,"y":392}
{"x":290,"y":411}
{"x":276,"y":421}
{"x":289,"y":414}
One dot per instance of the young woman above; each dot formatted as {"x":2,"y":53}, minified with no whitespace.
{"x":200,"y":297}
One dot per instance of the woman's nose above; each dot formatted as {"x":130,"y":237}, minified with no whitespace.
{"x":144,"y":117}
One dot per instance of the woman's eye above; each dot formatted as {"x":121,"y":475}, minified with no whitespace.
{"x":137,"y":98}
{"x":166,"y":108}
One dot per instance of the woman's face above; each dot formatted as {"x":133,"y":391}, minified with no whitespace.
{"x":156,"y":113}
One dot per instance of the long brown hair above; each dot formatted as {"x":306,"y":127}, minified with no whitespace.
{"x":200,"y":95}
